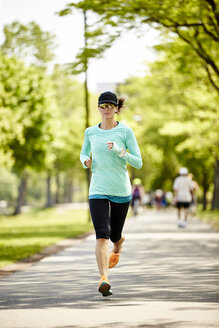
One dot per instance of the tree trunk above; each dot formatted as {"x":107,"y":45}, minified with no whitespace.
{"x":49,"y":195}
{"x":57,"y":197}
{"x":21,"y":192}
{"x":205,"y":186}
{"x":204,"y":199}
{"x":86,"y":94}
{"x":68,"y":188}
{"x":70,"y":192}
{"x":215,"y":200}
{"x":86,"y":126}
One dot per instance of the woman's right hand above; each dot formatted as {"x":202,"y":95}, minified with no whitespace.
{"x":88,"y":163}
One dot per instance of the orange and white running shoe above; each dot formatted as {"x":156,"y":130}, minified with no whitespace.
{"x":113,"y":259}
{"x":104,"y":286}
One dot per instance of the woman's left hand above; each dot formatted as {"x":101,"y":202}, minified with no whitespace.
{"x":109,"y":145}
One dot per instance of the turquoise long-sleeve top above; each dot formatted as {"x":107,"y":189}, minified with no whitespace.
{"x":109,"y":168}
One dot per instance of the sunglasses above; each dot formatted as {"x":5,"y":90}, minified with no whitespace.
{"x":110,"y":106}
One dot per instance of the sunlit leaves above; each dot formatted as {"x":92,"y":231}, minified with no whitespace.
{"x":179,"y":111}
{"x":25,"y":107}
{"x":29,"y":43}
{"x":196,"y":22}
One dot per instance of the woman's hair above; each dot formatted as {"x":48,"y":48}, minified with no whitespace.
{"x":121,"y":104}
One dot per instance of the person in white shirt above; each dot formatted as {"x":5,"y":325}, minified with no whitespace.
{"x":183,"y":189}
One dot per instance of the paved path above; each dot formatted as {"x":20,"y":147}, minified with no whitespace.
{"x":167,"y":278}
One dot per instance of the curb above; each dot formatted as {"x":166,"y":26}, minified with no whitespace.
{"x":48,"y":251}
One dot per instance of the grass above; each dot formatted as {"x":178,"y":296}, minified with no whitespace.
{"x":29,"y":233}
{"x":210,"y":216}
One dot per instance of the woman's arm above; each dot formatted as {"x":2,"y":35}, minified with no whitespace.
{"x":85,"y":151}
{"x":133,"y":157}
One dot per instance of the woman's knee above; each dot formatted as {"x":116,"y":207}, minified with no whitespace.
{"x":102,"y":241}
{"x":102,"y":234}
{"x":115,"y":237}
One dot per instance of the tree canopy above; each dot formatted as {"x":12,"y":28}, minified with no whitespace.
{"x":196,"y":22}
{"x":173,"y":109}
{"x":179,"y":117}
{"x":26,"y":107}
{"x":29,"y":43}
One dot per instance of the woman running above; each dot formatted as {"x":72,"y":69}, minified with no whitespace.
{"x":110,"y":188}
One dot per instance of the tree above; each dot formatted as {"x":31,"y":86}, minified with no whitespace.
{"x":29,"y":43}
{"x":69,"y":128}
{"x":200,"y":127}
{"x":195,"y":22}
{"x":179,"y":116}
{"x":95,"y":44}
{"x":33,"y":46}
{"x":25,"y":125}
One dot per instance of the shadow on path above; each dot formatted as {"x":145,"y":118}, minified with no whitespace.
{"x":169,"y":324}
{"x":151,"y":269}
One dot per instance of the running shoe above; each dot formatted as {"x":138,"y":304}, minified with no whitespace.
{"x":184,"y":224}
{"x":113,"y":259}
{"x":179,"y":223}
{"x":104,"y":286}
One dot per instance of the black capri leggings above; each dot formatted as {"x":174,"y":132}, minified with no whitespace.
{"x":108,"y":218}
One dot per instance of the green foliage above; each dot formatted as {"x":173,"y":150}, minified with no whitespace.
{"x":26,"y":106}
{"x":41,"y":126}
{"x":179,"y":113}
{"x":97,"y":38}
{"x":196,"y":22}
{"x":69,"y":123}
{"x":29,"y":43}
{"x":8,"y":185}
{"x":211,"y":217}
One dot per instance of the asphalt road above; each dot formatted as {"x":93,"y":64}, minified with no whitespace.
{"x":167,"y":277}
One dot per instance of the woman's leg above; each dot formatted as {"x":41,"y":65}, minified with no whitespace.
{"x":117,"y":246}
{"x":99,"y":209}
{"x":102,"y":256}
{"x":117,"y":219}
{"x":118,"y":215}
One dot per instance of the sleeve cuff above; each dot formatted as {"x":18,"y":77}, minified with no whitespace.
{"x":116,"y":148}
{"x":83,"y":158}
